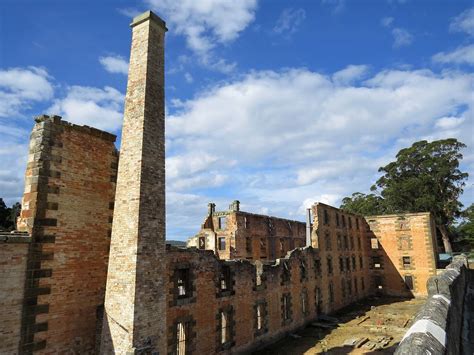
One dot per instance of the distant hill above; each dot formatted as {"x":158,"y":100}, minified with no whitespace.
{"x":176,"y":243}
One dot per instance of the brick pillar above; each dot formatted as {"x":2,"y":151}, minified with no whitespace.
{"x":135,"y":300}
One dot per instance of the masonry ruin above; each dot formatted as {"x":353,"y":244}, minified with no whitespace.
{"x":89,"y":271}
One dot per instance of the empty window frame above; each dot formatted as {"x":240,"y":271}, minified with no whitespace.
{"x":303,"y":272}
{"x":409,"y":281}
{"x":376,"y":262}
{"x":361,"y":262}
{"x":318,"y":299}
{"x":349,"y":287}
{"x":331,"y":292}
{"x":286,"y":307}
{"x":357,"y":223}
{"x":326,"y":217}
{"x":378,"y":281}
{"x":286,"y":274}
{"x":346,"y":245}
{"x":343,"y":221}
{"x":221,"y":242}
{"x":327,"y":240}
{"x":406,"y":260}
{"x":282,"y":247}
{"x":304,"y":302}
{"x":343,"y":288}
{"x":225,"y":279}
{"x":183,"y":283}
{"x":248,"y":244}
{"x":358,"y":243}
{"x":259,"y":316}
{"x":351,"y":239}
{"x":348,"y":264}
{"x":350,"y":222}
{"x":225,"y":323}
{"x":354,"y":266}
{"x":329,"y":264}
{"x":202,"y":243}
{"x":341,"y":264}
{"x":263,"y":245}
{"x":222,"y":222}
{"x":182,"y":333}
{"x":337,"y":219}
{"x":317,"y":267}
{"x":339,"y":242}
{"x":374,"y":243}
{"x":362,"y":283}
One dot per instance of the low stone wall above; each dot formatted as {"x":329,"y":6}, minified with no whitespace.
{"x":437,"y":326}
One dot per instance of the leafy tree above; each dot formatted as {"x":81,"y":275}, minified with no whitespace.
{"x":426,"y":177}
{"x":14,"y":213}
{"x":363,"y":204}
{"x":8,"y":215}
{"x":4,"y":214}
{"x":465,"y":229}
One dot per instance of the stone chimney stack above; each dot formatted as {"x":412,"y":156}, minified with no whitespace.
{"x":308,"y":227}
{"x":211,"y":208}
{"x":135,"y":300}
{"x":235,"y":206}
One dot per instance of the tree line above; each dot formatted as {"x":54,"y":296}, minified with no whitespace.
{"x":8,"y":215}
{"x":424,"y":178}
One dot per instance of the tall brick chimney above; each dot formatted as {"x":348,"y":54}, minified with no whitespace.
{"x":135,"y":300}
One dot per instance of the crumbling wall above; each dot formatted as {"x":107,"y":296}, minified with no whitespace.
{"x":248,"y":235}
{"x":13,"y":261}
{"x":437,"y":326}
{"x":67,"y":209}
{"x":405,"y":247}
{"x":298,"y":277}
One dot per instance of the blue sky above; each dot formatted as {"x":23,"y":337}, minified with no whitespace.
{"x":278,"y":104}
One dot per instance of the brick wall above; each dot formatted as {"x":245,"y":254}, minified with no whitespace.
{"x":248,"y":235}
{"x":13,"y":260}
{"x":407,"y":248}
{"x":67,"y":209}
{"x":294,"y":277}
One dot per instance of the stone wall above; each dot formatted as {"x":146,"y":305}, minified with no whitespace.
{"x":13,"y":260}
{"x":200,"y":287}
{"x":437,"y":328}
{"x":404,"y":246}
{"x":243,"y":235}
{"x":67,"y":209}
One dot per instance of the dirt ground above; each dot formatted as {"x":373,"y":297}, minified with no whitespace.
{"x":373,"y":326}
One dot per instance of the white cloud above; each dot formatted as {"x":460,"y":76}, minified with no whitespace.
{"x":289,"y":21}
{"x":114,"y":64}
{"x":449,"y":122}
{"x":188,"y":77}
{"x":206,"y":24}
{"x":349,"y":74}
{"x":461,"y":55}
{"x":338,"y":5}
{"x":464,"y":22}
{"x":386,"y":21}
{"x":21,"y":87}
{"x":274,"y":140}
{"x":99,"y":108}
{"x":401,"y":37}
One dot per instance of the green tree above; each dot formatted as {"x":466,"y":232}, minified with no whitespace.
{"x":363,"y":204}
{"x":465,"y":229}
{"x":14,"y":213}
{"x":4,"y":214}
{"x":426,"y":177}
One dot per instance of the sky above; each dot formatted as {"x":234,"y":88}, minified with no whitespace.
{"x":278,"y":104}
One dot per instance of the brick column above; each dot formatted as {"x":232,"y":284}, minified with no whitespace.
{"x":135,"y":301}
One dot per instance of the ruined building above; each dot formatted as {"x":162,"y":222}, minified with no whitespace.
{"x":89,"y":271}
{"x":235,"y":234}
